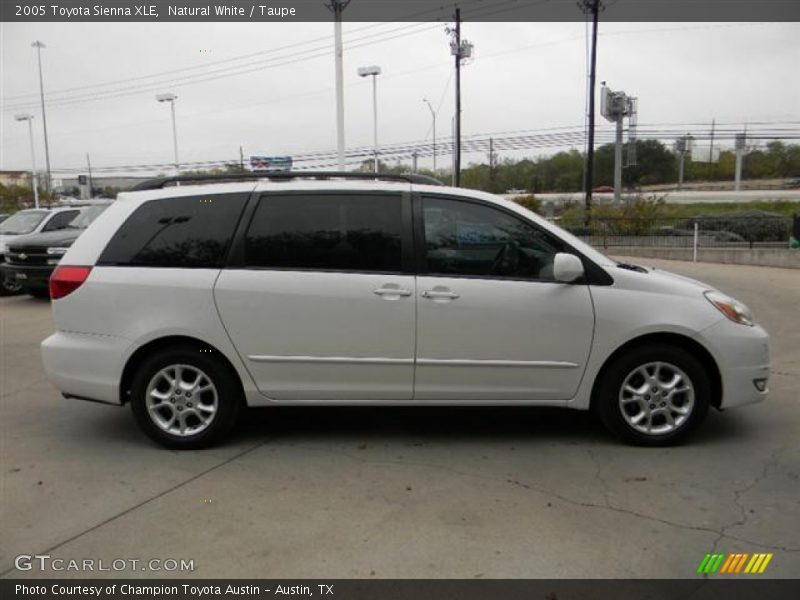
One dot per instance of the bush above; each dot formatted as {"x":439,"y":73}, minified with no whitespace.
{"x":752,"y":225}
{"x":530,"y":202}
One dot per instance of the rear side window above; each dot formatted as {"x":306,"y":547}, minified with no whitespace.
{"x":337,"y":232}
{"x":192,"y":231}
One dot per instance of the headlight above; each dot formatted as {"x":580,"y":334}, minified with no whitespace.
{"x":731,"y":308}
{"x":57,"y":251}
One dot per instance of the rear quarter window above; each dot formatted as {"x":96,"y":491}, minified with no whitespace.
{"x":192,"y":231}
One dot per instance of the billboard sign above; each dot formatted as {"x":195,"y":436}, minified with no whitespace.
{"x":271,"y":163}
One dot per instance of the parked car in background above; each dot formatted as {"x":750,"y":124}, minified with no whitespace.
{"x":24,"y":222}
{"x":30,"y":259}
{"x":191,"y":302}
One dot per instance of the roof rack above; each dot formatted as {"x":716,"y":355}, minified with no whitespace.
{"x":157,"y":184}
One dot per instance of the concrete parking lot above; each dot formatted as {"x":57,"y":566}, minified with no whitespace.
{"x":339,"y":493}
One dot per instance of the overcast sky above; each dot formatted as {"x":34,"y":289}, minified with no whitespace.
{"x":524,"y":76}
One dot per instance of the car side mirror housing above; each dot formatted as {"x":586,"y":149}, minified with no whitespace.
{"x":567,"y":267}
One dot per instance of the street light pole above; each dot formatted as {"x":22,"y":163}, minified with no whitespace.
{"x":169,"y":97}
{"x":39,"y":45}
{"x":433,"y":115}
{"x":373,"y":71}
{"x":29,"y":119}
{"x":337,"y":7}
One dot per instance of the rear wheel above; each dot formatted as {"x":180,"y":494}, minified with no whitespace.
{"x":654,"y":395}
{"x":185,"y":397}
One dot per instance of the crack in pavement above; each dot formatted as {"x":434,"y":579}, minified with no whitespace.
{"x":161,"y":494}
{"x":771,"y":460}
{"x":598,"y":477}
{"x":544,"y":491}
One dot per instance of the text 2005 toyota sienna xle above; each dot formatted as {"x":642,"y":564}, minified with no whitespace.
{"x":189,"y":302}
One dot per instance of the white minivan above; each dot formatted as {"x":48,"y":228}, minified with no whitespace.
{"x":190,"y":302}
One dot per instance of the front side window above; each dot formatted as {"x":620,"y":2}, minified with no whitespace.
{"x":336,"y":232}
{"x":469,"y":239}
{"x":61,"y":220}
{"x":193,"y":231}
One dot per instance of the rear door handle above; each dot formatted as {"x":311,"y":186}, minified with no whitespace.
{"x":440,"y":294}
{"x":389,"y":291}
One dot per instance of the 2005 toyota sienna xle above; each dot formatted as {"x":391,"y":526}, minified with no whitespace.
{"x":190,"y":302}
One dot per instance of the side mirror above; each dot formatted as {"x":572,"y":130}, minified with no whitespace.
{"x":567,"y":267}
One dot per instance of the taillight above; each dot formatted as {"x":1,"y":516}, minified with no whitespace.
{"x":67,"y":279}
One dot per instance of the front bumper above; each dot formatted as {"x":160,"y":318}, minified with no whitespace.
{"x":27,"y":276}
{"x":742,"y":355}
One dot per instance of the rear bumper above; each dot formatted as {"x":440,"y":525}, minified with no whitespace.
{"x":84,"y":365}
{"x":742,"y":354}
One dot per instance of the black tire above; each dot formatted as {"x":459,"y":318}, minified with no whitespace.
{"x":609,"y":405}
{"x":9,"y":287}
{"x":225,"y":384}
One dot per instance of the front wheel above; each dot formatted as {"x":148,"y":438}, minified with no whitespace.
{"x":654,"y":395}
{"x":9,"y":287}
{"x":185,"y":398}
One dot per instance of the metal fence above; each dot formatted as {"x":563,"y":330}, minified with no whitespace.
{"x":703,"y":232}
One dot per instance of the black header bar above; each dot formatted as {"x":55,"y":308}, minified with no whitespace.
{"x":393,"y":10}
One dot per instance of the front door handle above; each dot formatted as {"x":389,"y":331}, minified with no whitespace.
{"x":446,"y":294}
{"x":391,"y":291}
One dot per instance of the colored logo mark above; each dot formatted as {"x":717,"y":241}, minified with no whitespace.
{"x":734,"y":563}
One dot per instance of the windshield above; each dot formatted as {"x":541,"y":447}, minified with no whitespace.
{"x":24,"y":221}
{"x":86,"y":216}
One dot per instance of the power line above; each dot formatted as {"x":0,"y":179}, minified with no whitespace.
{"x":440,"y":9}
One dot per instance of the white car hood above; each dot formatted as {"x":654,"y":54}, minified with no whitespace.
{"x":658,"y":281}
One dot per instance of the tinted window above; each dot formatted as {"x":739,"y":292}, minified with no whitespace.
{"x":60,"y":220}
{"x":353,"y":232}
{"x":194,"y":231}
{"x":464,"y":238}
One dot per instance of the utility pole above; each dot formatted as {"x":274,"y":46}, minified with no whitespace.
{"x":592,"y":6}
{"x":741,"y":140}
{"x":457,"y":162}
{"x":618,"y":160}
{"x":337,"y":7}
{"x":460,"y":50}
{"x":711,"y":153}
{"x":241,"y":158}
{"x":681,"y":148}
{"x":39,"y":45}
{"x":453,"y":155}
{"x":89,"y":166}
{"x":414,"y":156}
{"x":491,"y":166}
